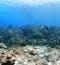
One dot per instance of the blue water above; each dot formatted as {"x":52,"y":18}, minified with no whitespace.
{"x":43,"y":15}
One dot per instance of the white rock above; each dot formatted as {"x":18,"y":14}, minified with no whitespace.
{"x":51,"y":63}
{"x":31,"y":63}
{"x":58,"y":62}
{"x":28,"y":47}
{"x":41,"y":55}
{"x":19,"y":61}
{"x":25,"y":62}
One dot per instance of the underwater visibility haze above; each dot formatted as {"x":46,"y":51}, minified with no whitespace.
{"x":20,"y":12}
{"x":30,"y":21}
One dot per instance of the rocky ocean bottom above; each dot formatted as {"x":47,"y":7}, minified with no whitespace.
{"x":30,"y":45}
{"x":29,"y":55}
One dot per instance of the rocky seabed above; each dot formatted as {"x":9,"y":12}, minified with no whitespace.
{"x":29,"y":55}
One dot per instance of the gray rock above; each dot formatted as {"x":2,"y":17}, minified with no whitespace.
{"x":2,"y":51}
{"x":2,"y":45}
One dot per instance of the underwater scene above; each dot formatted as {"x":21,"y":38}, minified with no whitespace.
{"x":29,"y":32}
